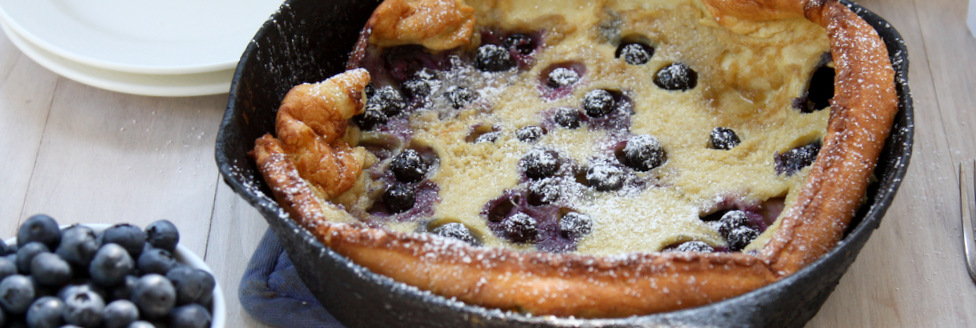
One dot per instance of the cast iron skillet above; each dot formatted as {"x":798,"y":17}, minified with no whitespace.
{"x":310,"y":40}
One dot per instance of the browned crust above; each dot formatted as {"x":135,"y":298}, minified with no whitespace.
{"x":863,"y":109}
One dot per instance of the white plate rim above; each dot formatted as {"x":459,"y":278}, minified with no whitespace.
{"x":183,"y":85}
{"x":143,"y":68}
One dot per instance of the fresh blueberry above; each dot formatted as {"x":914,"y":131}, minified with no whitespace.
{"x":192,"y":285}
{"x":694,"y":246}
{"x":539,"y":163}
{"x":676,"y":77}
{"x":458,"y":97}
{"x":154,"y":295}
{"x":543,"y":191}
{"x":598,"y":102}
{"x":190,"y":316}
{"x":740,"y":237}
{"x":723,"y":138}
{"x":567,"y":117}
{"x":48,"y":269}
{"x":110,"y":265}
{"x":642,"y":153}
{"x":83,"y":308}
{"x":408,"y":166}
{"x":155,"y":260}
{"x":493,"y":58}
{"x":141,"y":324}
{"x":520,"y":228}
{"x":40,"y":228}
{"x":574,"y":225}
{"x":387,"y":100}
{"x":16,"y":294}
{"x":130,"y":237}
{"x":83,"y":286}
{"x":561,"y":77}
{"x":163,"y":234}
{"x":795,"y":159}
{"x":732,"y":220}
{"x":123,"y":290}
{"x":529,"y":133}
{"x":370,"y":119}
{"x":520,"y":43}
{"x":457,"y":231}
{"x":635,"y":53}
{"x":7,"y":267}
{"x":78,"y":245}
{"x":45,"y":312}
{"x":4,"y":249}
{"x":399,"y":197}
{"x":26,"y":254}
{"x":605,"y":177}
{"x":120,"y":314}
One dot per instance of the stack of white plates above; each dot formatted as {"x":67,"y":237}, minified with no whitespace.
{"x":154,"y":48}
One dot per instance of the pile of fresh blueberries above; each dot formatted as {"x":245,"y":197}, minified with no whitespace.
{"x":123,"y":276}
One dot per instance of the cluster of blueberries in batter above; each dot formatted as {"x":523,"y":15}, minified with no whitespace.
{"x":539,"y":210}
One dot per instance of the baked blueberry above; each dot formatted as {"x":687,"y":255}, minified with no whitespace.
{"x":83,"y":307}
{"x":78,"y":245}
{"x":40,"y":228}
{"x":370,"y":118}
{"x":731,"y":220}
{"x":26,"y":253}
{"x":192,"y":285}
{"x":605,"y":177}
{"x":820,"y":91}
{"x":111,"y":264}
{"x":408,"y":166}
{"x":155,"y":260}
{"x":635,"y":53}
{"x":130,"y":237}
{"x":190,"y":316}
{"x":399,"y":197}
{"x":493,"y":58}
{"x":48,"y":269}
{"x":567,"y":117}
{"x":676,"y":77}
{"x":457,"y":231}
{"x":120,"y":314}
{"x":529,"y":133}
{"x":574,"y":225}
{"x":16,"y":294}
{"x":387,"y":100}
{"x":163,"y":234}
{"x":154,"y":295}
{"x":458,"y":97}
{"x":45,"y":312}
{"x":561,"y":77}
{"x":642,"y":153}
{"x":740,"y":237}
{"x":488,"y":137}
{"x":693,"y":246}
{"x":520,"y":43}
{"x":539,"y":163}
{"x":520,"y":228}
{"x":420,"y":85}
{"x":498,"y":209}
{"x":598,"y":102}
{"x":543,"y":192}
{"x":723,"y":138}
{"x":797,"y":158}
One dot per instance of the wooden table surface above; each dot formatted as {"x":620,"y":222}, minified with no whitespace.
{"x":83,"y":154}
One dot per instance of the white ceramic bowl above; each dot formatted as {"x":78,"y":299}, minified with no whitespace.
{"x":183,"y":255}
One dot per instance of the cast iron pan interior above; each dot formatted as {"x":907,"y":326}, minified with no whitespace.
{"x":309,"y":41}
